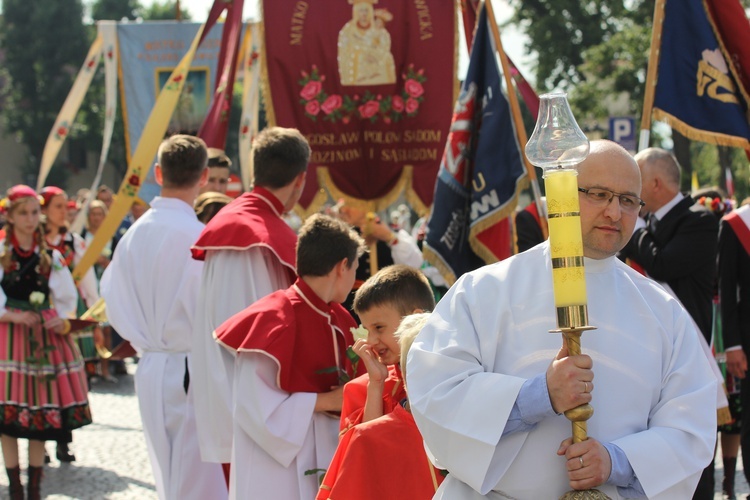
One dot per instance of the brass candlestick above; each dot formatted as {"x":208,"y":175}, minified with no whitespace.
{"x":557,"y":145}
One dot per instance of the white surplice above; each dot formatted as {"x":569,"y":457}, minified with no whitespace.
{"x":278,"y":436}
{"x":654,"y":394}
{"x":232,"y":280}
{"x":151,"y":289}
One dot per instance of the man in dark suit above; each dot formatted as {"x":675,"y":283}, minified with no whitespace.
{"x":734,"y":299}
{"x":677,"y":247}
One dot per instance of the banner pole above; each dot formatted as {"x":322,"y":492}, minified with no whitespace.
{"x":516,"y":114}
{"x":653,"y":66}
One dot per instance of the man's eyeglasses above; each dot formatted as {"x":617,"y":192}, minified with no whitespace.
{"x":599,"y":196}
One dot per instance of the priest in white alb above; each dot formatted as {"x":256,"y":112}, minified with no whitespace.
{"x":151,"y":290}
{"x":248,"y":251}
{"x":488,"y":383}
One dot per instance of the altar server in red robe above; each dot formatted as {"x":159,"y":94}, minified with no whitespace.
{"x":381,"y":302}
{"x":290,"y":352}
{"x":389,"y":448}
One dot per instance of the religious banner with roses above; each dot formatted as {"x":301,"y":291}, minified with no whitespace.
{"x":371,"y":84}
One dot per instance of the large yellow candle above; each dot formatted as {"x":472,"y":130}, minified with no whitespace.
{"x":566,"y":245}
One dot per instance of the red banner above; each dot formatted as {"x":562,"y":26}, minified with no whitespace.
{"x":371,"y":84}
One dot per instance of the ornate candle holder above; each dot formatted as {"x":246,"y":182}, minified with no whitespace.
{"x":557,"y":145}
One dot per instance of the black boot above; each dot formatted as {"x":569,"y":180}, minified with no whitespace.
{"x":35,"y":483}
{"x":15,"y":489}
{"x":63,"y":453}
{"x":727,"y":485}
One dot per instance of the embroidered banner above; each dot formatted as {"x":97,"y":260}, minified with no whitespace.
{"x":371,"y":85}
{"x":69,"y":110}
{"x":149,"y":52}
{"x":481,"y":174}
{"x":696,"y":90}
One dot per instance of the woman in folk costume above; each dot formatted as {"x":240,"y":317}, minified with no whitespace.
{"x":71,"y":247}
{"x":42,"y":382}
{"x":97,"y":212}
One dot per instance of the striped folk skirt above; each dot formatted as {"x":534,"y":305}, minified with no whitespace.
{"x":43,"y":389}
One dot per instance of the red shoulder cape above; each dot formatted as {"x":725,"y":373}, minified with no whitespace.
{"x":355,"y":397}
{"x":382,"y":458}
{"x":253,"y":219}
{"x":297,"y":330}
{"x":739,"y":226}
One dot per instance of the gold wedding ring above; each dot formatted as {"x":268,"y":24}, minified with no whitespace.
{"x":580,"y":459}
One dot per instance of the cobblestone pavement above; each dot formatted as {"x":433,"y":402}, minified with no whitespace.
{"x":111,"y":457}
{"x":112,"y":461}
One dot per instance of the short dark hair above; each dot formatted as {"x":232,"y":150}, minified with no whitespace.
{"x":402,"y":287}
{"x":218,"y":158}
{"x":324,"y":242}
{"x":182,"y":159}
{"x":279,"y":156}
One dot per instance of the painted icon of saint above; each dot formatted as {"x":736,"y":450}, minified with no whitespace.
{"x":364,"y":47}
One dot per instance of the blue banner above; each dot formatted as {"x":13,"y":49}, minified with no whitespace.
{"x":481,"y":172}
{"x":148,"y":54}
{"x":696,"y":92}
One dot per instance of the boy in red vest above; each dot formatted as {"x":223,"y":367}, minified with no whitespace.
{"x":381,"y":302}
{"x":387,"y":447}
{"x":290,"y":355}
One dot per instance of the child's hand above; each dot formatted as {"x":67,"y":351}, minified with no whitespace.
{"x":330,"y":401}
{"x":377,"y":371}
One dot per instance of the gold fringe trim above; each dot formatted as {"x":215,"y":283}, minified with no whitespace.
{"x":437,"y":262}
{"x":506,"y":211}
{"x":375,"y":205}
{"x":700,"y":135}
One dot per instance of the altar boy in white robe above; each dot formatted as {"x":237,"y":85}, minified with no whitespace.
{"x":488,"y":384}
{"x":249,"y":253}
{"x":151,"y":289}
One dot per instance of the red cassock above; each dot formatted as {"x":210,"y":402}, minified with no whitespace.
{"x":252,"y":220}
{"x":379,"y":459}
{"x":305,"y":336}
{"x":355,"y":397}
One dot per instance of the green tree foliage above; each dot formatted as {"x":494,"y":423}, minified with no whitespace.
{"x":163,"y":11}
{"x":45,"y":43}
{"x":115,"y":10}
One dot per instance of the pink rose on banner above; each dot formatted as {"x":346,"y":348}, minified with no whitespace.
{"x":312,"y":107}
{"x":368,"y":109}
{"x":397,"y":103}
{"x":413,"y":88}
{"x":331,"y":104}
{"x":53,"y":418}
{"x":412,"y":105}
{"x":311,"y":90}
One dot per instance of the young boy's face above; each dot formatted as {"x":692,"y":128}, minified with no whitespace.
{"x":381,"y":322}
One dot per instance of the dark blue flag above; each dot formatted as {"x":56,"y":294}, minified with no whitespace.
{"x":481,"y":173}
{"x":696,"y":89}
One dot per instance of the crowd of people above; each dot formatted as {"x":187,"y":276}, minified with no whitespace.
{"x":277,"y":361}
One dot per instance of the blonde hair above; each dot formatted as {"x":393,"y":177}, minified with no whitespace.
{"x":6,"y":257}
{"x":95,"y":204}
{"x":406,"y":332}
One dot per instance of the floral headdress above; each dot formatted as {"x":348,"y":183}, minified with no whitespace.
{"x":717,"y":205}
{"x":50,"y":192}
{"x":15,"y":194}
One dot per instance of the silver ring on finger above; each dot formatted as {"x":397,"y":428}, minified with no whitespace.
{"x":580,"y":459}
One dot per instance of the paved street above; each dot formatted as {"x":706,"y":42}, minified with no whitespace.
{"x":111,"y":458}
